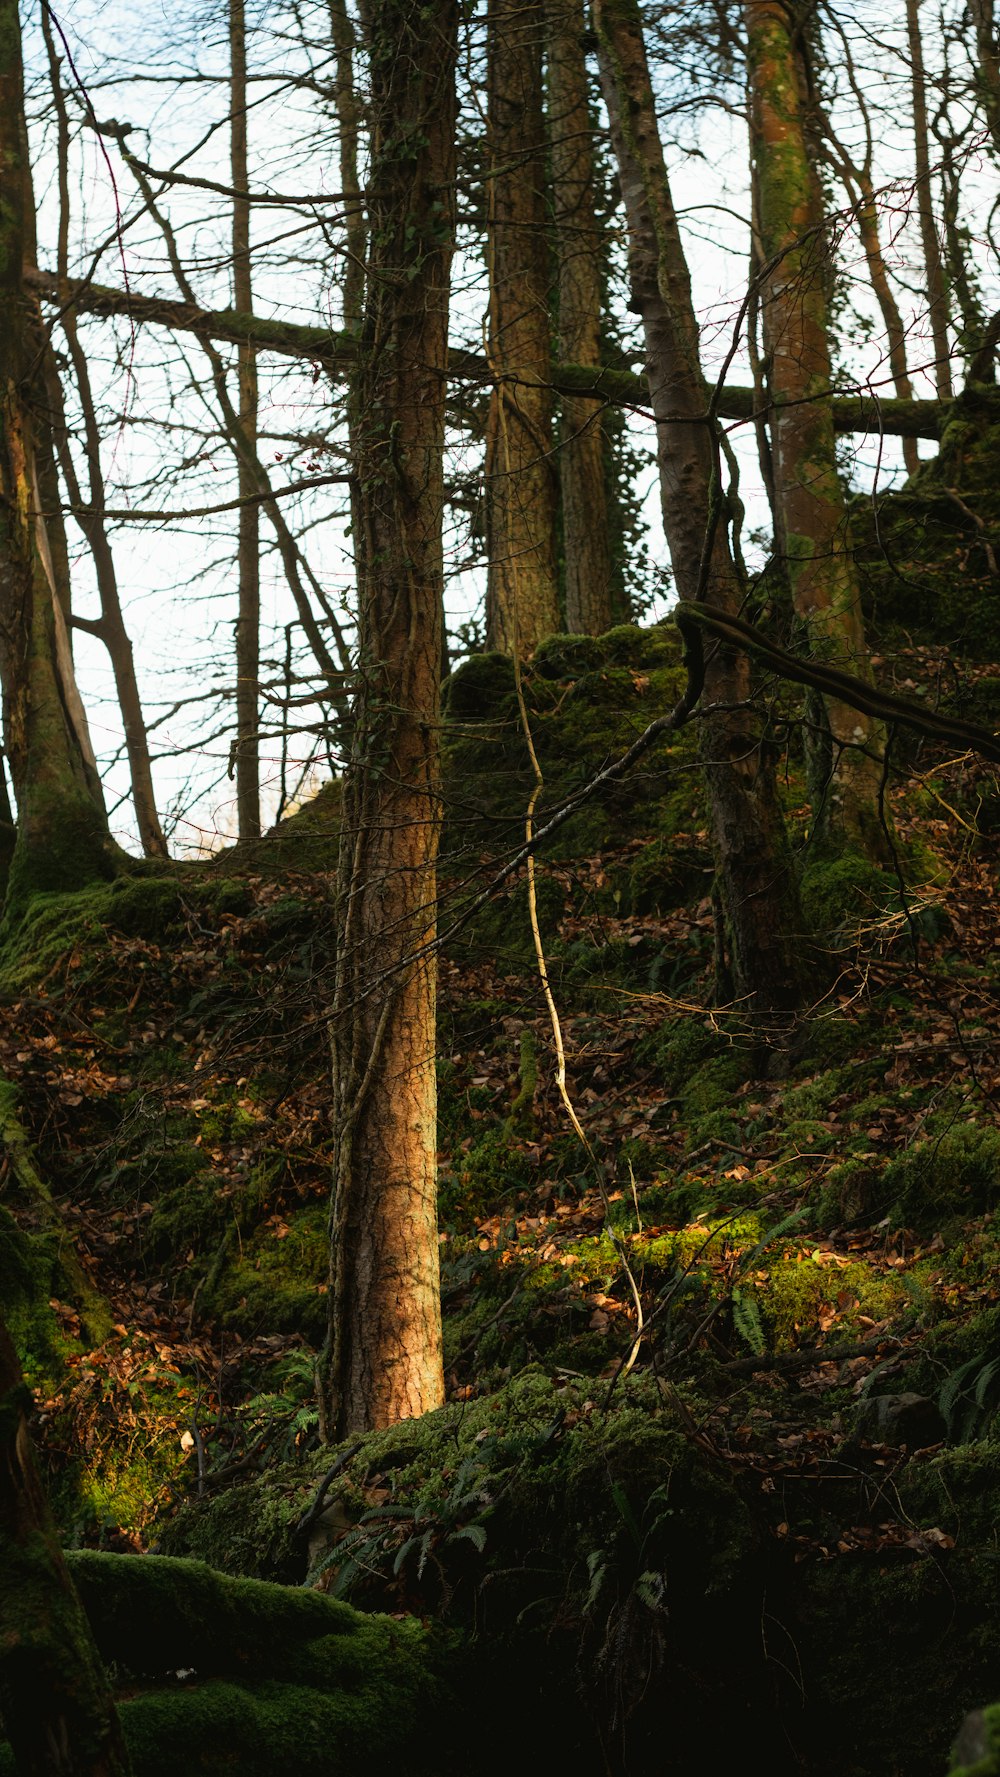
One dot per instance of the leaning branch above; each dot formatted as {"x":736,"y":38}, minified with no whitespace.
{"x":335,"y":353}
{"x":883,"y":706}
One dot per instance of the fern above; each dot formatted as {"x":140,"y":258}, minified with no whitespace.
{"x":747,"y":1321}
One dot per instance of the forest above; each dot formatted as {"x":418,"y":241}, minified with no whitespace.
{"x":499,"y":841}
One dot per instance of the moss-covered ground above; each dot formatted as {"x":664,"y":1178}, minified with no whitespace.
{"x":716,"y":1523}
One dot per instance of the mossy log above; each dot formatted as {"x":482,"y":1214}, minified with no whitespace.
{"x":261,"y":1677}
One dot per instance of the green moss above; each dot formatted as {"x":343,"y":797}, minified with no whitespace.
{"x":838,"y":893}
{"x":481,"y":689}
{"x":956,"y":1175}
{"x":275,"y":1281}
{"x":797,"y":1287}
{"x":285,"y":1677}
{"x":521,"y":1121}
{"x":979,"y":1741}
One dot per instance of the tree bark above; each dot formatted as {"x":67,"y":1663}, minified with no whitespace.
{"x":522,"y":595}
{"x":843,"y":749}
{"x":586,"y":549}
{"x":754,"y":873}
{"x":382,"y":1360}
{"x":62,"y":833}
{"x":55,"y":1700}
{"x":248,"y":543}
{"x":937,"y":295}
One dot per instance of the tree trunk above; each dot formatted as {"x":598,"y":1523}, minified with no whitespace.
{"x":522,"y":596}
{"x":937,"y":296}
{"x":55,"y":1701}
{"x":988,"y":58}
{"x":586,"y":548}
{"x":810,"y":516}
{"x":383,"y":1360}
{"x":349,"y":114}
{"x":62,"y":833}
{"x":248,"y":544}
{"x":755,"y":878}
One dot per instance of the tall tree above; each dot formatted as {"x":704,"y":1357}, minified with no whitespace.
{"x":753,"y":866}
{"x":62,"y":832}
{"x":843,"y":748}
{"x":383,"y":1360}
{"x":522,"y":596}
{"x":585,"y":529}
{"x":57,"y":1708}
{"x":248,"y":541}
{"x":937,"y":294}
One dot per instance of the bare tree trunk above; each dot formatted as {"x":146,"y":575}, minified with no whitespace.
{"x":62,"y":833}
{"x":754,"y":872}
{"x":988,"y":57}
{"x":383,"y":1360}
{"x":937,"y":295}
{"x":843,"y":749}
{"x":522,"y":597}
{"x":57,"y":1707}
{"x":586,"y":548}
{"x":248,"y":544}
{"x":348,"y":110}
{"x":110,"y":627}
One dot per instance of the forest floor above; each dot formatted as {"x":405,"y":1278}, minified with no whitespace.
{"x":779,"y":1257}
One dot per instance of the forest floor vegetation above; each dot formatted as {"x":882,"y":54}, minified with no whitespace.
{"x":721,"y":1391}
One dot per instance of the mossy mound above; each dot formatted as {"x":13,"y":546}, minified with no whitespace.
{"x":587,"y":698}
{"x":923,"y":553}
{"x":269,"y":1678}
{"x":610,"y":1566}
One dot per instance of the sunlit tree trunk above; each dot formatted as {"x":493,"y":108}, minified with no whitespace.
{"x":55,"y":1702}
{"x":62,"y":833}
{"x":383,"y":1360}
{"x":844,"y":748}
{"x":522,"y":596}
{"x":754,"y":873}
{"x":937,"y":295}
{"x":579,"y":251}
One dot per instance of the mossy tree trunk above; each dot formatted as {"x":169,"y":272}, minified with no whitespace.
{"x":843,"y":748}
{"x":62,"y":833}
{"x":383,"y":1359}
{"x":55,"y":1701}
{"x":579,"y":251}
{"x":754,"y":873}
{"x":522,"y":594}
